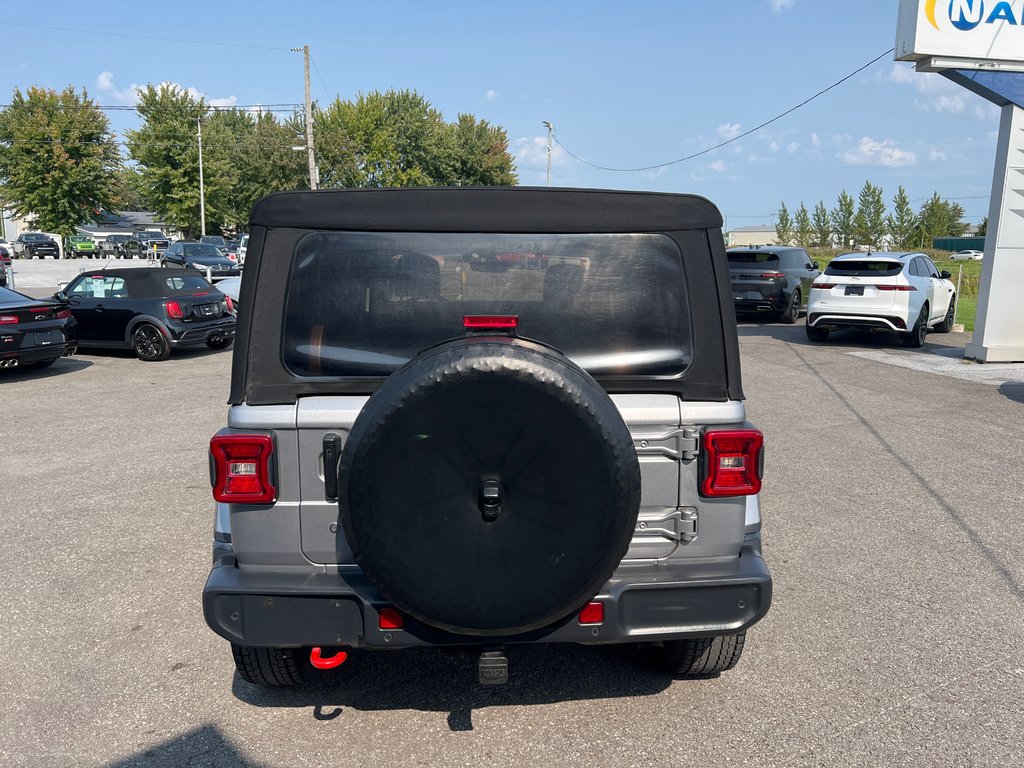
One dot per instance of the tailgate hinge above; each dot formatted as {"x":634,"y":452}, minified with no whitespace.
{"x":689,"y":443}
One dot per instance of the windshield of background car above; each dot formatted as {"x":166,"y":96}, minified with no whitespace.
{"x":864,"y":268}
{"x":361,"y":304}
{"x":35,"y":238}
{"x":201,"y":250}
{"x":741,"y":259}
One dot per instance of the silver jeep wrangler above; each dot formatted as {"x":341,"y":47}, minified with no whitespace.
{"x":472,"y":417}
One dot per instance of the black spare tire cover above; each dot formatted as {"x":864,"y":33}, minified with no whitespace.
{"x":489,"y":487}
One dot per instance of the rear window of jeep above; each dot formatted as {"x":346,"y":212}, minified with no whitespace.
{"x":363,"y":304}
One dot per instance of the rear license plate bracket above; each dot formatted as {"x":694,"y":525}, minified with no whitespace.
{"x":854,"y":290}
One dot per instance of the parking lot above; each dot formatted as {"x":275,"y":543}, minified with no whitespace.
{"x":892,"y":513}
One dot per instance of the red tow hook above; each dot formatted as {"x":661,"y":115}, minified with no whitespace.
{"x":321,"y":663}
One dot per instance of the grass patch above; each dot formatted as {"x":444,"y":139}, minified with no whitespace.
{"x":966,"y":311}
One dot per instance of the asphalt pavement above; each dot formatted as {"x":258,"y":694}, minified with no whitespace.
{"x":892,"y":507}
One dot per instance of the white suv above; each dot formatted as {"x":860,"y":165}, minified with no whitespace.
{"x":901,"y":292}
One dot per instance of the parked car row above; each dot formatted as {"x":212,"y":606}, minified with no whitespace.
{"x":141,"y":244}
{"x":896,"y":292}
{"x":148,"y":310}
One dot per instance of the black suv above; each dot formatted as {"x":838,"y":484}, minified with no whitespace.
{"x":775,"y":279}
{"x":422,"y":454}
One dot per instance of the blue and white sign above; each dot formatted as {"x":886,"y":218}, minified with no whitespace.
{"x":983,"y":34}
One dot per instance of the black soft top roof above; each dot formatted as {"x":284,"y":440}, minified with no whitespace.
{"x":486,"y":209}
{"x":280,"y":221}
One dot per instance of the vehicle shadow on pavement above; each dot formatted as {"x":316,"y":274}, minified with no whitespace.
{"x":795,"y":334}
{"x":1013,"y":390}
{"x":431,"y":680}
{"x":62,"y":366}
{"x":205,"y":746}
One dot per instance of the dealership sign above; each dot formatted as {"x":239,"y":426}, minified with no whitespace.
{"x":962,"y":34}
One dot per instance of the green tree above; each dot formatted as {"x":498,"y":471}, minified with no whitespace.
{"x":129,"y":191}
{"x":939,"y":218}
{"x":821,"y":225}
{"x":802,"y":227}
{"x":842,"y":219}
{"x":869,"y":220}
{"x":167,"y":152}
{"x":58,"y":159}
{"x":983,"y":228}
{"x":396,"y":139}
{"x":481,"y":154}
{"x":783,"y":226}
{"x":902,"y":222}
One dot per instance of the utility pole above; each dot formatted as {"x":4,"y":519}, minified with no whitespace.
{"x":202,"y":190}
{"x":549,"y":127}
{"x":309,"y":121}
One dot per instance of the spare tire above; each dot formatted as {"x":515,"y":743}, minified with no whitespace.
{"x":489,"y":487}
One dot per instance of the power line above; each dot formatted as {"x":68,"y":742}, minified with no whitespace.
{"x":327,"y":91}
{"x":281,"y":107}
{"x":789,"y":111}
{"x":218,"y":43}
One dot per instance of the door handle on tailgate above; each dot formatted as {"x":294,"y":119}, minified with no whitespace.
{"x":332,"y":453}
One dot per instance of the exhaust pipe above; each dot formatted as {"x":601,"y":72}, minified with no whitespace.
{"x":10,"y":362}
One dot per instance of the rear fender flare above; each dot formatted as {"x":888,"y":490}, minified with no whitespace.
{"x":138,"y":320}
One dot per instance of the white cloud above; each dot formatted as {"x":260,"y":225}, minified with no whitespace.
{"x":778,"y":6}
{"x":815,"y":140}
{"x":774,"y":146}
{"x":105,"y":84}
{"x":729,"y":130}
{"x":986,"y":111}
{"x":718,"y":165}
{"x":954,"y":103}
{"x":532,"y":152}
{"x":936,"y":155}
{"x":792,"y":147}
{"x":491,"y":94}
{"x":883,"y":154}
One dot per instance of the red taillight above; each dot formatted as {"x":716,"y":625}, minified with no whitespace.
{"x":8,"y":319}
{"x":771,"y":275}
{"x":823,"y":286}
{"x":486,"y":322}
{"x":63,"y":314}
{"x":732,"y":462}
{"x":231,"y":304}
{"x":201,"y":293}
{"x":174,"y":310}
{"x":389,"y":618}
{"x":592,"y":613}
{"x":241,"y":469}
{"x":895,"y":287}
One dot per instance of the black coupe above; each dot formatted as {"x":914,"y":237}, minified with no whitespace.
{"x":33,"y":333}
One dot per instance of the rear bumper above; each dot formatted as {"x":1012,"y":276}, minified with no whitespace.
{"x":642,"y":603}
{"x":834,"y":320}
{"x":192,"y":336}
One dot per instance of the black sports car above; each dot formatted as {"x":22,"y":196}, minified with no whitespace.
{"x":33,"y":333}
{"x":201,"y":256}
{"x":149,"y":310}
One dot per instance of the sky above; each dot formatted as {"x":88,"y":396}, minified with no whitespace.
{"x":625,"y":85}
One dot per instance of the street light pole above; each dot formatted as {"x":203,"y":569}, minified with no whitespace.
{"x":549,"y":127}
{"x":309,"y":121}
{"x":202,"y":190}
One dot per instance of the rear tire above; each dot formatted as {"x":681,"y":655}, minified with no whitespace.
{"x":947,"y":322}
{"x":701,"y":657}
{"x":915,"y":337}
{"x":149,"y":344}
{"x":269,"y":666}
{"x":817,"y":334}
{"x":792,"y":312}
